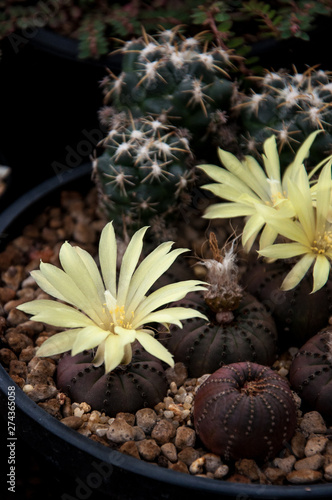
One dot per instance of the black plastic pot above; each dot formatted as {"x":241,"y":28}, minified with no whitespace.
{"x":93,"y":468}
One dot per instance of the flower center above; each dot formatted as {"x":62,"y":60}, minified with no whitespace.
{"x":119,"y":317}
{"x":323,"y":243}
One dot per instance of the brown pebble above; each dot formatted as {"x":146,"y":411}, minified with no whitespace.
{"x":238,"y":478}
{"x":15,"y":317}
{"x":185,"y":436}
{"x":30,"y":328}
{"x":304,"y":476}
{"x":188,"y":455}
{"x":313,"y":423}
{"x":169,"y":451}
{"x":212,"y":462}
{"x":163,"y":432}
{"x":17,"y":341}
{"x":12,"y":304}
{"x":315,"y":444}
{"x":128,"y":417}
{"x":314,"y":462}
{"x":6,"y":356}
{"x":285,"y":464}
{"x":84,"y":233}
{"x":18,"y":368}
{"x":179,"y":467}
{"x":221,"y":471}
{"x":41,"y":392}
{"x":298,"y":443}
{"x":275,"y":475}
{"x":52,"y":406}
{"x":130,"y":448}
{"x":119,"y":431}
{"x":146,"y":418}
{"x":148,"y":449}
{"x":72,"y":422}
{"x":13,"y":276}
{"x":178,"y":374}
{"x":27,"y":354}
{"x":247,"y":467}
{"x":6,"y":294}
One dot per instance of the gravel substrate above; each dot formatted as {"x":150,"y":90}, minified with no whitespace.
{"x":164,"y":435}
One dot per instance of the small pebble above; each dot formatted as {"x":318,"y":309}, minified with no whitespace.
{"x":304,"y":476}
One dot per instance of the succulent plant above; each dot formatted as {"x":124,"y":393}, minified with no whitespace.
{"x":141,"y":383}
{"x":177,"y":80}
{"x":144,"y":171}
{"x":239,"y":328}
{"x":298,"y":313}
{"x":244,"y":410}
{"x":311,"y":370}
{"x":291,"y":106}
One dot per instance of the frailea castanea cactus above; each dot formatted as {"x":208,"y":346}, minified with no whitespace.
{"x":239,"y":328}
{"x":310,"y":373}
{"x":245,"y":410}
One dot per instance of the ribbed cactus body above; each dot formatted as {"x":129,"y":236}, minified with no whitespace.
{"x":291,"y":107}
{"x":175,"y":77}
{"x":244,"y":410}
{"x":127,"y":388}
{"x":298,"y":313}
{"x":311,"y":373}
{"x":144,"y":171}
{"x":206,"y":346}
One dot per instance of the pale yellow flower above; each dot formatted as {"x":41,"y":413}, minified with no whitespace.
{"x":106,"y":312}
{"x":246,"y":185}
{"x":310,"y":235}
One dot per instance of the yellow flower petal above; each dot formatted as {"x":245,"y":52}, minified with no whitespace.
{"x":271,"y":158}
{"x":88,"y":338}
{"x":154,"y":347}
{"x":55,"y":313}
{"x":58,"y":343}
{"x":108,"y":257}
{"x":173,"y":315}
{"x":114,"y":352}
{"x":321,"y":272}
{"x":228,"y":210}
{"x":297,"y":273}
{"x":283,"y":250}
{"x":129,"y":263}
{"x":251,"y":229}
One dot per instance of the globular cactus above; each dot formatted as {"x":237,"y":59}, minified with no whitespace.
{"x":298,"y":313}
{"x":206,"y":346}
{"x":239,"y":326}
{"x":178,"y":79}
{"x":127,"y":388}
{"x":311,"y":373}
{"x":291,"y":106}
{"x":145,"y":171}
{"x":244,"y":410}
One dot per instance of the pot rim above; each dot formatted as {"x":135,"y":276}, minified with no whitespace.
{"x":114,"y":457}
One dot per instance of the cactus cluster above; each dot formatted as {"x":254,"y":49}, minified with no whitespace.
{"x":244,"y":410}
{"x":180,"y":80}
{"x":145,"y":170}
{"x":291,"y":106}
{"x":127,"y":388}
{"x":172,"y":96}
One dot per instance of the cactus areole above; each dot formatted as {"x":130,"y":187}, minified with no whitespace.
{"x":244,"y":410}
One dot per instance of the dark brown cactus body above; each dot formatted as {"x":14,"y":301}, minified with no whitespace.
{"x":244,"y":410}
{"x":141,"y":383}
{"x":298,"y":313}
{"x":206,"y":346}
{"x":311,"y":373}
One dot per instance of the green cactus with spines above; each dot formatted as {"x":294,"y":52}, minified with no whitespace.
{"x":291,"y":106}
{"x":179,"y":78}
{"x":144,"y":171}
